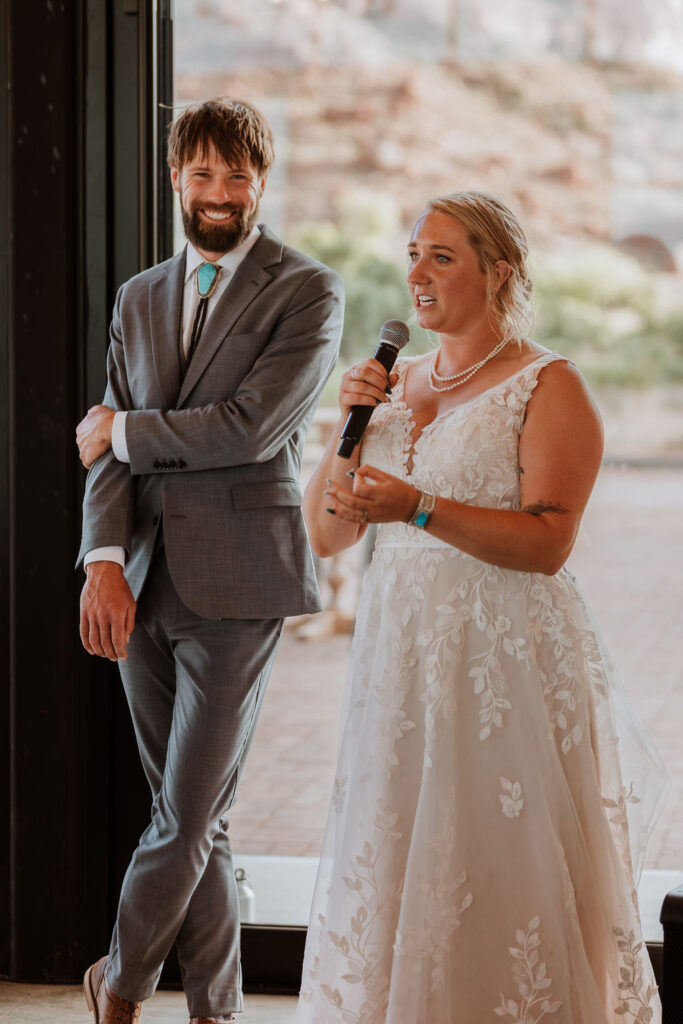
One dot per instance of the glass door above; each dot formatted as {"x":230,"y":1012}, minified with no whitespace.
{"x":574,"y":117}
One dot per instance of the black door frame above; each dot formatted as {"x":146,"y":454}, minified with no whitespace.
{"x":85,"y":203}
{"x":81,"y":135}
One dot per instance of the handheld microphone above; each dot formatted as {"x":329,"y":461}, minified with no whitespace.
{"x":393,"y":335}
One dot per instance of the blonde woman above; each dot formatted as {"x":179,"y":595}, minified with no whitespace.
{"x":494,"y":792}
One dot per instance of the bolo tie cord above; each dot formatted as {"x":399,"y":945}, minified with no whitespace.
{"x":205,"y":281}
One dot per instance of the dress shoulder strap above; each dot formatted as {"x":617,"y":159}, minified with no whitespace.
{"x":532,"y":369}
{"x":526,"y":380}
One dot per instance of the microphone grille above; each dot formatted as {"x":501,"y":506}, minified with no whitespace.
{"x":394,"y":332}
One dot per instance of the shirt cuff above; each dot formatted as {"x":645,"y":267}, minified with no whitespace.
{"x":115,"y":553}
{"x":118,"y":437}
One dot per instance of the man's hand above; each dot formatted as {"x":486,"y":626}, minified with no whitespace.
{"x":107,"y":611}
{"x":93,"y":434}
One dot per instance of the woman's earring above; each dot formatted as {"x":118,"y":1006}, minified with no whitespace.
{"x":489,"y":295}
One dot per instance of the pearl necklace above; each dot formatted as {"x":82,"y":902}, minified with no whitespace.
{"x":464,"y":375}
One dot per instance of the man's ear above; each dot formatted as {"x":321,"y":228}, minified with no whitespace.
{"x":175,"y":179}
{"x":262,"y":183}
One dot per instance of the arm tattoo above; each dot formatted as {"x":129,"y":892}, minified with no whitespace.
{"x":544,"y":506}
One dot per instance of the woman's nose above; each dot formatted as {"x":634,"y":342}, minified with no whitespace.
{"x":416,"y":272}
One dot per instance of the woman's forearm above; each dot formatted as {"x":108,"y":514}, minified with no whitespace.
{"x":369,"y":384}
{"x":329,"y":533}
{"x":538,"y":538}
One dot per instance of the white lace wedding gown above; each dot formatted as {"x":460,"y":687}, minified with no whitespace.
{"x":494,"y":791}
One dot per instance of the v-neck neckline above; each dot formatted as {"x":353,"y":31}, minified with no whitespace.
{"x":412,"y":441}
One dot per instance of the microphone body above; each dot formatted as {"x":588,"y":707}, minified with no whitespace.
{"x":393,"y":335}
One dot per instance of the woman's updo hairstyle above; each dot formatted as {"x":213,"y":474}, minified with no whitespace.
{"x":496,"y":234}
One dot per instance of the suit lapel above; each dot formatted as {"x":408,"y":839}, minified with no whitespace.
{"x":165,"y":305}
{"x":250,"y":278}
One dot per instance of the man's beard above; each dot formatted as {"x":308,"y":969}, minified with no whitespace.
{"x":218,"y":237}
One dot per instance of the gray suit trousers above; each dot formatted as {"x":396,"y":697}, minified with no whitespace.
{"x":194,"y":687}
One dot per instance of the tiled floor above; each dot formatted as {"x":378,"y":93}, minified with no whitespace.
{"x":627,"y":559}
{"x":65,"y":1004}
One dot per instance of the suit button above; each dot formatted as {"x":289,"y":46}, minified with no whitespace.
{"x":181,"y":463}
{"x":155,"y":521}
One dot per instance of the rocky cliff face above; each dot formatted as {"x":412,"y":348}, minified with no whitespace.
{"x":406,"y":100}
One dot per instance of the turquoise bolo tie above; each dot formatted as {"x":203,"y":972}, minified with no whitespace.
{"x":206,"y":277}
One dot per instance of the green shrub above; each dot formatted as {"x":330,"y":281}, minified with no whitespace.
{"x":359,"y":248}
{"x":621,"y":324}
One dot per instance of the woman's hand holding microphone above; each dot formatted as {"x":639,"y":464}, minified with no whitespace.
{"x":365,"y":383}
{"x":376,"y":497}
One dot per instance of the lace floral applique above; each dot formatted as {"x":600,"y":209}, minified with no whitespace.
{"x":416,"y":579}
{"x":442,"y":907}
{"x":532,"y":980}
{"x":549,"y":630}
{"x":479,"y":598}
{"x":394,"y":723}
{"x":360,"y":945}
{"x":489,"y":597}
{"x":594,"y":661}
{"x":443,"y":644}
{"x":636,"y":999}
{"x":339,"y":794}
{"x":620,"y":819}
{"x":390,"y":431}
{"x":511,"y":799}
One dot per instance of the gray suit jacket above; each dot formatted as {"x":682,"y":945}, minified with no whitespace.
{"x":216,"y":456}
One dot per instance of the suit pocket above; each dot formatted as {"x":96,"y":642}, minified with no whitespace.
{"x":266,"y":494}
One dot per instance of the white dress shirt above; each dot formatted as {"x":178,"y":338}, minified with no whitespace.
{"x":228,"y":263}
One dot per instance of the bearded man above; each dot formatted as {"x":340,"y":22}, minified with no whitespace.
{"x":193,"y":540}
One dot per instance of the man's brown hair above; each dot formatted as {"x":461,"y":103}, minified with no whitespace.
{"x":234,"y":128}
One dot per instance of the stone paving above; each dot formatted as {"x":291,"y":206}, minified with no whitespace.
{"x":628,"y":559}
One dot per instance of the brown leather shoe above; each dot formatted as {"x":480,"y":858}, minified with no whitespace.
{"x":210,"y":1020}
{"x":105,"y":1004}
